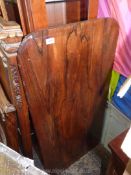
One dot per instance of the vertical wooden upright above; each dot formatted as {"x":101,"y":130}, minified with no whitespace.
{"x":92,"y":9}
{"x":72,"y":11}
{"x":10,"y":39}
{"x":84,"y":9}
{"x":32,"y":14}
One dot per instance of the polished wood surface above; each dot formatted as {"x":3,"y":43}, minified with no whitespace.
{"x":118,"y":159}
{"x":32,"y":14}
{"x":65,"y":71}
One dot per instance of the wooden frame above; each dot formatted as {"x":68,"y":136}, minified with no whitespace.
{"x":10,"y":39}
{"x":63,"y":96}
{"x":31,"y":17}
{"x":32,"y":20}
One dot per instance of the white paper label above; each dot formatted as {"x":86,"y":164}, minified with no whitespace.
{"x":50,"y":41}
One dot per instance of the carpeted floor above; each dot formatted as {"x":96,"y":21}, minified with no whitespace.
{"x":93,"y":163}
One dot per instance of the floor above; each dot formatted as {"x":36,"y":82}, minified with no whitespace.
{"x":93,"y":163}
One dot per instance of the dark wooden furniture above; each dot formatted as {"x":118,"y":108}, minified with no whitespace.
{"x":10,"y":39}
{"x":32,"y":14}
{"x":12,"y":11}
{"x":35,"y":16}
{"x":66,"y":79}
{"x":118,"y":159}
{"x":8,"y":122}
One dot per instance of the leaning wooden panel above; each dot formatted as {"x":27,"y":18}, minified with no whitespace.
{"x":65,"y":71}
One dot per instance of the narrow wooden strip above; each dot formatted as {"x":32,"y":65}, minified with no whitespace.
{"x":92,"y":9}
{"x":3,"y":9}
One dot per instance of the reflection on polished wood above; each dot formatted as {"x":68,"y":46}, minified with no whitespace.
{"x":66,"y":78}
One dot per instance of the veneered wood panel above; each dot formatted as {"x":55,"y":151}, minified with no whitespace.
{"x":65,"y":84}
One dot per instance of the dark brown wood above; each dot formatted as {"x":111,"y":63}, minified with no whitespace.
{"x":10,"y":40}
{"x":119,"y":159}
{"x":16,"y":95}
{"x":84,"y":9}
{"x":32,"y":14}
{"x":72,"y":11}
{"x":92,"y":9}
{"x":8,"y":122}
{"x":18,"y":98}
{"x":10,"y":130}
{"x":12,"y":11}
{"x":65,"y":82}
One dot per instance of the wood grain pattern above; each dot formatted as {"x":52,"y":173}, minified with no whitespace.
{"x":65,"y":83}
{"x":56,"y":13}
{"x":32,"y":14}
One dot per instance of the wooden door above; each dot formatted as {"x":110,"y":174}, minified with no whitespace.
{"x":66,"y":72}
